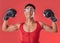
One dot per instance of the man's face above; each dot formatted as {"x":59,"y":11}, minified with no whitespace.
{"x":29,"y":12}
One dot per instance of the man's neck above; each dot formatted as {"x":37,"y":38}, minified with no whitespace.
{"x":29,"y":21}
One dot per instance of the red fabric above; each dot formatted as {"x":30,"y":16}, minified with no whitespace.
{"x":30,"y":37}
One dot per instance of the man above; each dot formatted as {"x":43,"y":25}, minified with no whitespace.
{"x":30,"y":29}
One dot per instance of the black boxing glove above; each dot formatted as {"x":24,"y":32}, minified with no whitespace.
{"x":10,"y":13}
{"x":49,"y":13}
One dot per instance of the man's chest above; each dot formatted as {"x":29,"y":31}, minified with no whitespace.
{"x":30,"y":28}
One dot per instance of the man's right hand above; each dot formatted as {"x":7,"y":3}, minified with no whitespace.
{"x":10,"y":13}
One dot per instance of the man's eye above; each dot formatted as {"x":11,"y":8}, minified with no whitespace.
{"x":27,"y":8}
{"x":32,"y":9}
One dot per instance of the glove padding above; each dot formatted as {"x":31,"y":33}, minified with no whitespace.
{"x":10,"y":13}
{"x":49,"y":13}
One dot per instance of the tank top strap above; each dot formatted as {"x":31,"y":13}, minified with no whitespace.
{"x":38,"y":25}
{"x":21,"y":26}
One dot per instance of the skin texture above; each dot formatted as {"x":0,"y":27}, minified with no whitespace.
{"x":29,"y":25}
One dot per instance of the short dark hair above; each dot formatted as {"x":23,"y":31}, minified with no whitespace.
{"x":30,"y":5}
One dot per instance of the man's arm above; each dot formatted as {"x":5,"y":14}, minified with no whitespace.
{"x":48,"y":28}
{"x":10,"y":28}
{"x":48,"y":13}
{"x":10,"y":13}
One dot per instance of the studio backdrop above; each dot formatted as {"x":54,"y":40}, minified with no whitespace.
{"x":41,"y":5}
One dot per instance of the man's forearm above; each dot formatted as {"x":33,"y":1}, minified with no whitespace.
{"x":54,"y":26}
{"x":5,"y":24}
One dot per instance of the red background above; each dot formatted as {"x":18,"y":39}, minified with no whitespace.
{"x":41,"y":5}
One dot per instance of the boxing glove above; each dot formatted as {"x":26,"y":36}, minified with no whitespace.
{"x":10,"y":13}
{"x":50,"y":14}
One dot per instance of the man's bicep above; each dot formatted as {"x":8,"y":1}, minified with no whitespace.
{"x":13,"y":27}
{"x":45,"y":26}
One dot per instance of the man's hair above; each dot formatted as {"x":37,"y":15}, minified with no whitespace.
{"x":30,"y":5}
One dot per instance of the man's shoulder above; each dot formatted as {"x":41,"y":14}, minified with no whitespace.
{"x":41,"y":23}
{"x":19,"y":24}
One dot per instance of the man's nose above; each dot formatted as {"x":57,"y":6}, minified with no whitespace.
{"x":29,"y":9}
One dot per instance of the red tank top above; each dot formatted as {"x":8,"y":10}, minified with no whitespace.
{"x":30,"y":37}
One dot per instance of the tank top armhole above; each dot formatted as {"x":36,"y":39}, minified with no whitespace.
{"x":20,"y":27}
{"x":39,"y":25}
